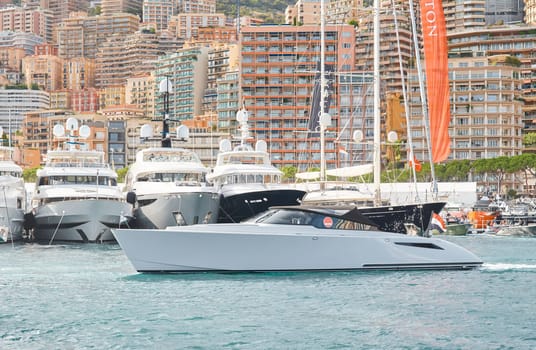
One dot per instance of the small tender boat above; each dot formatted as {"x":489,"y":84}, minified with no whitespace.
{"x":294,"y":238}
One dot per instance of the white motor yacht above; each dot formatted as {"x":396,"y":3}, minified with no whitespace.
{"x":294,"y":238}
{"x":246,"y":179}
{"x":168,"y":187}
{"x":12,"y":197}
{"x":76,"y":197}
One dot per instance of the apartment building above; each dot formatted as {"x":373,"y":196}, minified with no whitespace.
{"x":140,"y":92}
{"x":27,"y":41}
{"x":112,"y":7}
{"x":159,"y":12}
{"x":27,"y":20}
{"x":81,"y":36}
{"x":186,"y":25}
{"x":279,"y":65}
{"x":303,"y":12}
{"x":228,"y":100}
{"x":14,"y":104}
{"x":530,"y":11}
{"x":85,"y":100}
{"x":78,"y":73}
{"x":464,"y":15}
{"x":518,"y":41}
{"x":45,"y":71}
{"x":60,"y":99}
{"x":122,"y":56}
{"x":187,"y":71}
{"x":394,"y":47}
{"x":197,"y":6}
{"x":222,"y":58}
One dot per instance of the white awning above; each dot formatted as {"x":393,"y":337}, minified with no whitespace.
{"x":351,"y":171}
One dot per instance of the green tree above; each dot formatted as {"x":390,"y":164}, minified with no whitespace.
{"x":289,"y":172}
{"x":121,"y":174}
{"x":30,"y":175}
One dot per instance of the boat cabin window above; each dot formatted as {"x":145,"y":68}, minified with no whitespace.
{"x":319,"y":220}
{"x":189,"y":178}
{"x":251,"y":179}
{"x":176,"y":156}
{"x":77,"y":180}
{"x":10,"y":173}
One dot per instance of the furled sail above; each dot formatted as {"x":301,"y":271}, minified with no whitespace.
{"x":436,"y":58}
{"x":314,"y":116}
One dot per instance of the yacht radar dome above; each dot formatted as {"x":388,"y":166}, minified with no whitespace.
{"x":225,"y":145}
{"x":261,"y":146}
{"x":183,"y":133}
{"x":357,"y":136}
{"x":242,"y":116}
{"x":84,"y":131}
{"x":146,"y":131}
{"x":58,"y":130}
{"x":392,"y":136}
{"x":71,"y":124}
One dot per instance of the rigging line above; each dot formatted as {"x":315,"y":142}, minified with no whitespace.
{"x":406,"y":104}
{"x":57,"y":227}
{"x":423,"y":99}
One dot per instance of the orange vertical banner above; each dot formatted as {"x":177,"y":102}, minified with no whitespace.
{"x":434,"y":32}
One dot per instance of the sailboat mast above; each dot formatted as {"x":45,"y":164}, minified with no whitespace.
{"x":322,"y":93}
{"x":377,"y":123}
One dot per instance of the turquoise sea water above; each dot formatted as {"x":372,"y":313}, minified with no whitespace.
{"x":89,"y":297}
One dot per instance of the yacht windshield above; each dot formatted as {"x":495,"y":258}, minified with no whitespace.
{"x":77,"y":180}
{"x":298,"y":217}
{"x":194,"y":178}
{"x":10,"y":173}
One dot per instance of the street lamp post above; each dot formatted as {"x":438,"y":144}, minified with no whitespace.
{"x":165,"y":88}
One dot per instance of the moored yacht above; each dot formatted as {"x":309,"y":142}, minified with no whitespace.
{"x":76,"y":198}
{"x":168,"y":187}
{"x":246,"y":179}
{"x":295,"y":238}
{"x":12,"y":197}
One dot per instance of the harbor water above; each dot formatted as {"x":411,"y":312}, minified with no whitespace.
{"x":90,"y":297}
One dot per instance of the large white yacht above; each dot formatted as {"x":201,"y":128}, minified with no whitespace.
{"x":12,"y":197}
{"x":295,"y":238}
{"x":246,"y":179}
{"x":168,"y":187}
{"x":76,"y":198}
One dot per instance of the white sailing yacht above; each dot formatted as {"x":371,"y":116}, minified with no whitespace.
{"x":401,"y":218}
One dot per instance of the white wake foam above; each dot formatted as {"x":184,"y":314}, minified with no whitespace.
{"x":507,"y":266}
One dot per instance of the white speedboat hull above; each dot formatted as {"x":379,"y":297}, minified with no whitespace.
{"x":187,"y":208}
{"x":87,"y":220}
{"x":264,"y":247}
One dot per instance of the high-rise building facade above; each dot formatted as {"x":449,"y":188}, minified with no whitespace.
{"x":14,"y":104}
{"x":278,"y":72}
{"x":504,"y":11}
{"x":27,"y":20}
{"x":187,"y":71}
{"x":121,"y":56}
{"x":159,"y":12}
{"x":81,"y":36}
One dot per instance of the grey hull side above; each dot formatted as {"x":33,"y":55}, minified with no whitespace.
{"x":11,"y":224}
{"x":81,"y":220}
{"x":194,"y":208}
